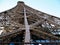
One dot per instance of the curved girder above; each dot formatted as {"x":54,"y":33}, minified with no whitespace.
{"x":45,"y":35}
{"x":47,"y":19}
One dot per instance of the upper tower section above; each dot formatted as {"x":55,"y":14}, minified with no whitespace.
{"x":20,"y":3}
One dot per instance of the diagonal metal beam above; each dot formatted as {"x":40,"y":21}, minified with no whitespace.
{"x":50,"y":21}
{"x":27,"y":31}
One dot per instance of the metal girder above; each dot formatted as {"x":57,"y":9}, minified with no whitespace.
{"x":32,"y":14}
{"x":48,"y":20}
{"x":27,"y":31}
{"x":44,"y":33}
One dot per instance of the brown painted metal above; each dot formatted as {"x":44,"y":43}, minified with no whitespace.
{"x":13,"y":22}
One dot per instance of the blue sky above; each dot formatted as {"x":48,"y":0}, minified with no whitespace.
{"x":48,"y":6}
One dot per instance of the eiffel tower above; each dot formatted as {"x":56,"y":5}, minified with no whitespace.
{"x":27,"y":25}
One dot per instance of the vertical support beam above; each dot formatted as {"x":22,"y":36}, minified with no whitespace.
{"x":27,"y":31}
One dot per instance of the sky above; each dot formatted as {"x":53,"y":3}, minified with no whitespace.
{"x":51,"y":7}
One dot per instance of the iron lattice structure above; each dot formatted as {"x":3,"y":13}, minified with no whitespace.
{"x":21,"y":18}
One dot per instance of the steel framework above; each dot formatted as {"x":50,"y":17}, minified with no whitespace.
{"x":26,"y":24}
